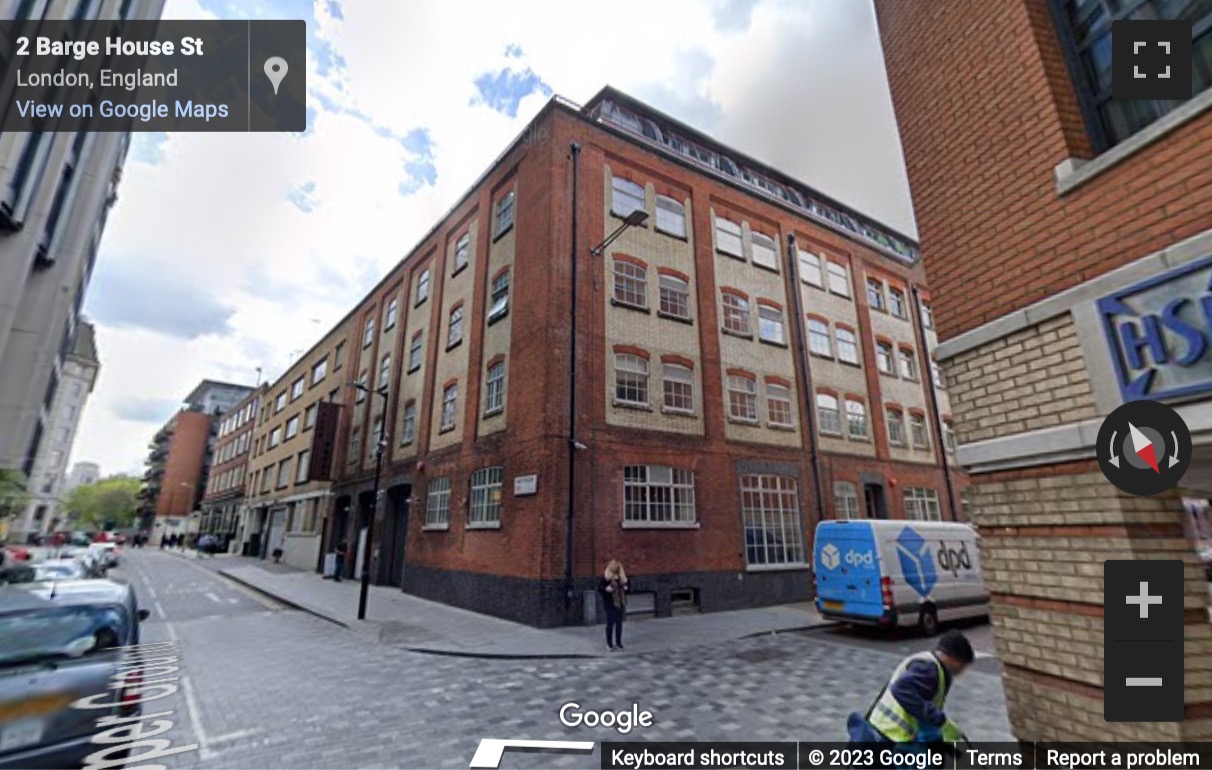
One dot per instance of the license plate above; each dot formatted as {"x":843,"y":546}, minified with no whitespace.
{"x":15,"y":735}
{"x":832,"y":605}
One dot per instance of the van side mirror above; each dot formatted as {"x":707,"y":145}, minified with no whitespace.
{"x":144,"y":615}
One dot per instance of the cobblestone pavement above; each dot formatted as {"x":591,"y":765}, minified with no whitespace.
{"x":266,"y":687}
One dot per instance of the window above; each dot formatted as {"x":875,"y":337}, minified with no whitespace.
{"x":485,"y":506}
{"x":839,"y":279}
{"x":309,"y":417}
{"x":770,"y":508}
{"x":389,"y":318}
{"x":810,"y":269}
{"x":736,"y":314}
{"x":818,"y":338}
{"x":670,"y":216}
{"x":875,"y":294}
{"x":936,"y":374}
{"x":742,"y":398}
{"x":919,"y":432}
{"x":921,"y":504}
{"x":764,"y":253}
{"x":376,"y":434}
{"x":303,"y":467}
{"x":500,"y":298}
{"x":296,"y":389}
{"x":266,"y":479}
{"x":678,"y":382}
{"x":408,"y":433}
{"x":728,"y":237}
{"x":948,"y":436}
{"x":630,"y":379}
{"x":355,"y":445}
{"x":414,"y":352}
{"x":845,"y":500}
{"x":454,"y":328}
{"x":368,"y":333}
{"x":658,"y":494}
{"x":628,"y":197}
{"x":1089,"y":43}
{"x":675,"y":297}
{"x":883,"y":357}
{"x":280,"y":402}
{"x":364,"y":382}
{"x":630,"y":284}
{"x":275,"y":437}
{"x":423,"y":286}
{"x":462,"y":253}
{"x":284,"y":473}
{"x":494,"y":389}
{"x":319,"y":372}
{"x":908,"y":363}
{"x":778,"y":405}
{"x":292,"y":427}
{"x":896,"y":427}
{"x":504,"y":214}
{"x":338,"y":357}
{"x":828,"y":415}
{"x":896,"y":302}
{"x":927,"y":316}
{"x":770,"y":325}
{"x":437,"y":505}
{"x":450,"y":398}
{"x":384,"y":372}
{"x":856,"y":419}
{"x":847,"y":346}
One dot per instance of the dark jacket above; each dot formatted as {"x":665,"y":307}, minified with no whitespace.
{"x":915,"y":691}
{"x":608,"y":596}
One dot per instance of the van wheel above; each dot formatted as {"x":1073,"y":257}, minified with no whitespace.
{"x":927,"y":621}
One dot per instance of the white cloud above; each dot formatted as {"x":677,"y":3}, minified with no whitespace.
{"x":799,"y":85}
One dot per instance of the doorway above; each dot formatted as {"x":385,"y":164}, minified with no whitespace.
{"x":873,"y":499}
{"x":395,"y":535}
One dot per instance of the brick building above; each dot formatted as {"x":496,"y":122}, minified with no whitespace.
{"x":225,"y":484}
{"x":1066,"y":238}
{"x":751,"y":358}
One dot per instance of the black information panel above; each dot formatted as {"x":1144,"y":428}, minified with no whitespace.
{"x":1143,"y":641}
{"x":153,"y":76}
{"x":639,"y":755}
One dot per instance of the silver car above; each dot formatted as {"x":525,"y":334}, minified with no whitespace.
{"x":59,"y":642}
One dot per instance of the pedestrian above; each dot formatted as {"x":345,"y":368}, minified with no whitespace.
{"x":163,"y":541}
{"x":614,"y":588}
{"x":342,"y":548}
{"x":910,"y":709}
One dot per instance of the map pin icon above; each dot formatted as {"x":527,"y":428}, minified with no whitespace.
{"x":275,"y":70}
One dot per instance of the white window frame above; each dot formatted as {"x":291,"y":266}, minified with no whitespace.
{"x":422,"y":287}
{"x":450,"y":402}
{"x":770,"y":324}
{"x":499,"y":297}
{"x":670,"y":216}
{"x":736,"y":314}
{"x":494,"y":389}
{"x":503,"y":213}
{"x":392,"y":314}
{"x":627,"y":196}
{"x":385,"y":371}
{"x":839,"y":279}
{"x":765,"y":250}
{"x":828,"y":414}
{"x":770,"y":510}
{"x":906,"y":363}
{"x":368,"y":333}
{"x":778,"y":406}
{"x":629,"y":365}
{"x":742,"y":398}
{"x":275,"y":437}
{"x":895,"y":420}
{"x":727,"y":241}
{"x":857,"y":427}
{"x":876,"y":298}
{"x":677,"y":382}
{"x":462,"y":253}
{"x":847,"y":346}
{"x":319,"y":372}
{"x":415,"y":351}
{"x":919,"y":433}
{"x":845,"y":500}
{"x":630,"y":284}
{"x":819,"y":342}
{"x":811,"y":271}
{"x":437,"y":503}
{"x":898,"y":303}
{"x":658,"y":496}
{"x":408,"y":432}
{"x":484,"y":509}
{"x":454,"y":327}
{"x":921,"y":504}
{"x":674,"y":297}
{"x":292,"y":427}
{"x":885,"y":358}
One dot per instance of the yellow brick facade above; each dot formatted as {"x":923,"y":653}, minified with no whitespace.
{"x":412,"y":381}
{"x":497,"y":334}
{"x":457,"y":291}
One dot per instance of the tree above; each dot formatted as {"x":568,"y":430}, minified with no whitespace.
{"x":110,"y":503}
{"x":12,"y":496}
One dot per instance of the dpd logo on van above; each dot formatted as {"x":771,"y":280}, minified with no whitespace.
{"x":830,"y":557}
{"x":916,"y":564}
{"x":952,"y":560}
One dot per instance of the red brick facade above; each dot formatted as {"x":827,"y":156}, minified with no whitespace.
{"x":185,"y":465}
{"x":517,"y":569}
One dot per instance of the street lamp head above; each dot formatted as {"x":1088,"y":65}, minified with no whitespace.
{"x":636,"y":218}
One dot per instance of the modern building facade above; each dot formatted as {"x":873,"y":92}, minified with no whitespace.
{"x":179,"y":459}
{"x":289,"y":468}
{"x":225,"y":485}
{"x":753,"y":357}
{"x":1068,"y":238}
{"x":56,"y":190}
{"x":82,"y":473}
{"x":48,"y":480}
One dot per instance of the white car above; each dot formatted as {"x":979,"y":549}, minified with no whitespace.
{"x":107,"y":553}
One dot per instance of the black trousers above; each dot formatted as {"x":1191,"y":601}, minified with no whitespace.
{"x":614,"y":625}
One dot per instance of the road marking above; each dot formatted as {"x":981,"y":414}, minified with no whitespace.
{"x":985,"y":655}
{"x":160,"y":610}
{"x":212,"y":597}
{"x":259,"y":599}
{"x":233,"y":600}
{"x":191,"y":707}
{"x":234,"y":735}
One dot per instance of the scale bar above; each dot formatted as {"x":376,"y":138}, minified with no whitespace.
{"x":1143,"y":681}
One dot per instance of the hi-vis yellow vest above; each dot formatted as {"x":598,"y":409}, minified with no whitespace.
{"x":889,"y":717}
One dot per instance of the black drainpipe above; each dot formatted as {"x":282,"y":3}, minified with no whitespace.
{"x":572,"y":389}
{"x":806,"y":373}
{"x":928,"y":376}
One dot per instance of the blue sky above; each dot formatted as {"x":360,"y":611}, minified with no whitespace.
{"x":229,"y":253}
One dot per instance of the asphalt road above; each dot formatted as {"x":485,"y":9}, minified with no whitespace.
{"x":270,"y":687}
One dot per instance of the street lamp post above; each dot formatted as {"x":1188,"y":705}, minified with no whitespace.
{"x":380,"y":444}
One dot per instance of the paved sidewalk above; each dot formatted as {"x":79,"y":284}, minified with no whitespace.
{"x":399,"y":619}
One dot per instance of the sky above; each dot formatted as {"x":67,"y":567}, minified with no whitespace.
{"x":231,"y":254}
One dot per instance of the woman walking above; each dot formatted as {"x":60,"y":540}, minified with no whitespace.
{"x":614,"y":588}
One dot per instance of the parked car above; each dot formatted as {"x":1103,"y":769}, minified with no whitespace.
{"x":17,"y":552}
{"x":61,"y":643}
{"x":61,"y":569}
{"x":21,"y":572}
{"x":107,"y":552}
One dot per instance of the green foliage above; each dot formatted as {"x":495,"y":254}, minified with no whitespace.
{"x":111,"y":503}
{"x":12,"y":490}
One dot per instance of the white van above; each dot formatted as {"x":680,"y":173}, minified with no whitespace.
{"x":898,"y":573}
